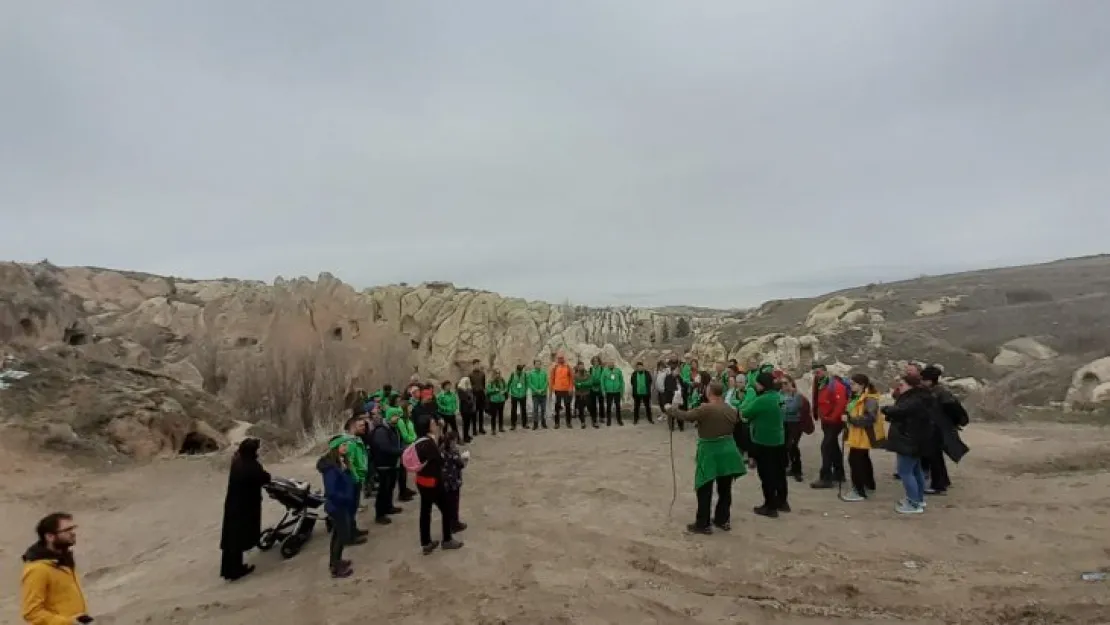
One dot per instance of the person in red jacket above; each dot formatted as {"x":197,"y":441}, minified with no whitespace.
{"x":830,"y":401}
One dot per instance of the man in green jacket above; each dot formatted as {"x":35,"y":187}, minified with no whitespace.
{"x":358,"y":462}
{"x":597,"y":399}
{"x":612,"y":386}
{"x":763,"y":413}
{"x":537,"y":386}
{"x":518,"y":397}
{"x":447,"y":405}
{"x":641,"y":383}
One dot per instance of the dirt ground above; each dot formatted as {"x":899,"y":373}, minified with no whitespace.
{"x":573,"y":527}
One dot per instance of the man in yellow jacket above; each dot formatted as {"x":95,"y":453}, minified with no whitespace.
{"x":49,"y":590}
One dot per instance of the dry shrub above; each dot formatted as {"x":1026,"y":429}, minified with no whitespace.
{"x":300,"y":383}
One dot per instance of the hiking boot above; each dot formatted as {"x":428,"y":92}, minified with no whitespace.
{"x":852,"y":496}
{"x":383,"y":520}
{"x":784,"y":508}
{"x":459,"y":527}
{"x":822,"y":484}
{"x":724,"y":527}
{"x":694,"y":528}
{"x":453,"y":544}
{"x":430,"y":547}
{"x":766,"y":511}
{"x":905,"y":507}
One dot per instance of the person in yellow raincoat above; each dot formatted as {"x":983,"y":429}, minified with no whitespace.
{"x":866,"y":430}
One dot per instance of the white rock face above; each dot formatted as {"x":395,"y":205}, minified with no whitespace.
{"x":1090,"y":384}
{"x":830,"y":312}
{"x":1022,"y":351}
{"x":937,"y":306}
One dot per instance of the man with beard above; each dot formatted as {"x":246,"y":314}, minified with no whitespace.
{"x":49,"y":590}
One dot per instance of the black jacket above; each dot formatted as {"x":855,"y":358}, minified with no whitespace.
{"x":911,"y":420}
{"x":632,"y":383}
{"x":385,"y":446}
{"x":468,"y":405}
{"x":949,"y":418}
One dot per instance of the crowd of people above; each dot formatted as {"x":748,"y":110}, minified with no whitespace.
{"x":753,"y":417}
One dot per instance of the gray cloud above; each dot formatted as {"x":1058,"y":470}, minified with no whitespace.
{"x":708,"y":153}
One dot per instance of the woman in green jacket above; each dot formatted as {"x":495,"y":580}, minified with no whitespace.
{"x":763,"y":412}
{"x":495,"y":397}
{"x":447,"y":405}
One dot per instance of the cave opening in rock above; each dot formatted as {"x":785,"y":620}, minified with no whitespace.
{"x":27,"y":325}
{"x":337,"y":334}
{"x":73,"y":336}
{"x":197,"y":443}
{"x":414,"y":343}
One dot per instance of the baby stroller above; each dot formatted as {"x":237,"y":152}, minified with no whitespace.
{"x":296,"y":525}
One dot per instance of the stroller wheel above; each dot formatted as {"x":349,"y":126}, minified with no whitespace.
{"x":292,"y":544}
{"x":266,"y":540}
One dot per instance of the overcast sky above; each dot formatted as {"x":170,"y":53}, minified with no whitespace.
{"x":704,"y":152}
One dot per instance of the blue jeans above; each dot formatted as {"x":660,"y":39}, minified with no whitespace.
{"x":539,"y":409}
{"x":913,"y":478}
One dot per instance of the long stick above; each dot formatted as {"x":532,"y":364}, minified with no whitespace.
{"x":674,"y":475}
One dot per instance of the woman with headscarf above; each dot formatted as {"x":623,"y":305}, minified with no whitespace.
{"x":242,"y":521}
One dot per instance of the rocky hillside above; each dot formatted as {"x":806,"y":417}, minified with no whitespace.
{"x":1015,"y":336}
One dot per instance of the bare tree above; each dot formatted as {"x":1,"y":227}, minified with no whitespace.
{"x":307,"y":366}
{"x":280,"y":386}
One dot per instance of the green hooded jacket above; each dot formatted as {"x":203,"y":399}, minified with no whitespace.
{"x":518,"y":385}
{"x":447,"y":402}
{"x":596,"y":373}
{"x":495,"y":391}
{"x":406,"y":429}
{"x":357,"y":458}
{"x":764,"y":417}
{"x":685,"y":372}
{"x":537,"y":382}
{"x":612,"y":381}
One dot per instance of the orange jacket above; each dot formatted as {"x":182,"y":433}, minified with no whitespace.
{"x":562,"y":378}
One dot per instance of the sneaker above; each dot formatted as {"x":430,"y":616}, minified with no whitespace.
{"x":724,"y":527}
{"x":453,"y":544}
{"x":341,"y":572}
{"x":430,"y":547}
{"x":904,"y":501}
{"x":905,"y":507}
{"x":852,"y":496}
{"x":383,"y":520}
{"x":694,"y":528}
{"x":770,"y":513}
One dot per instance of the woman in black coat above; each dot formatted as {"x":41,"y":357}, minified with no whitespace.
{"x":242,"y":510}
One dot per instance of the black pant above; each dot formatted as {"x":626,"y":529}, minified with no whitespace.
{"x":562,"y":402}
{"x":341,"y":534}
{"x":793,"y":449}
{"x":231,"y":564}
{"x":832,"y":458}
{"x":451,"y":421}
{"x":470,"y":424}
{"x":723,"y":512}
{"x":863,"y":472}
{"x":641,"y":400}
{"x":403,"y":483}
{"x":480,"y":406}
{"x":597,"y":406}
{"x":514,"y":404}
{"x":453,"y":498}
{"x":581,"y":404}
{"x":435,"y":496}
{"x":613,"y":408}
{"x":496,"y":416}
{"x":662,"y":399}
{"x":770,"y":464}
{"x":358,"y":503}
{"x":383,"y":501}
{"x":936,"y":469}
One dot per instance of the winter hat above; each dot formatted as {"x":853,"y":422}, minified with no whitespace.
{"x":932,"y":373}
{"x":765,"y":379}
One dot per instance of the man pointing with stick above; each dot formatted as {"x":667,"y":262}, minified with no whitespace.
{"x":718,"y":461}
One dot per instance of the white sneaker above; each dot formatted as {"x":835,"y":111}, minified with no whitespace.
{"x":852,"y":496}
{"x":905,"y":502}
{"x":908,"y":509}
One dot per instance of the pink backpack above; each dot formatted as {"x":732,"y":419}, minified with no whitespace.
{"x":409,"y":458}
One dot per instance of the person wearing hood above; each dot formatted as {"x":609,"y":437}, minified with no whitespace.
{"x":49,"y":590}
{"x":358,"y":461}
{"x":242,"y":521}
{"x":468,"y":408}
{"x":763,"y":412}
{"x":946,"y":433}
{"x":910,"y":423}
{"x":340,"y":503}
{"x":385,"y":450}
{"x":518,"y":398}
{"x":718,"y":461}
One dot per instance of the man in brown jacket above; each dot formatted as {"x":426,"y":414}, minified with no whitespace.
{"x":718,"y":460}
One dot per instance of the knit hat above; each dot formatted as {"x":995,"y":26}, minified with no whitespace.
{"x":932,"y":373}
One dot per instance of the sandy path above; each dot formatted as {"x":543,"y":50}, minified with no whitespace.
{"x":572,"y":527}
